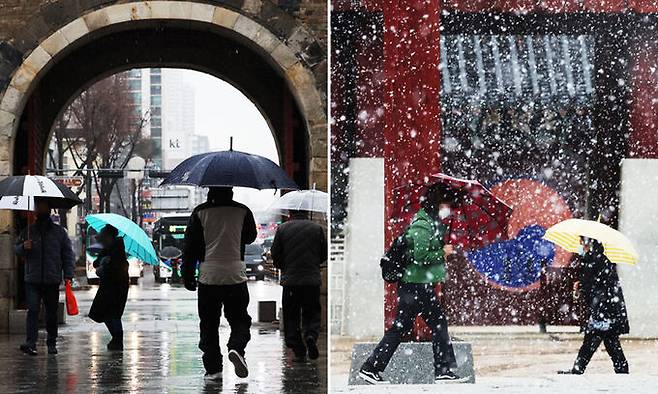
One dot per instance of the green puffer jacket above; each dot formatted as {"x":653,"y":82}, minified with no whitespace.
{"x":425,"y":240}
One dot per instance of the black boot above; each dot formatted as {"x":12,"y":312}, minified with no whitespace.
{"x":116,"y":343}
{"x":311,"y":344}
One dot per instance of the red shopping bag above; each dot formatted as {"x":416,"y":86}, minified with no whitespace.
{"x":71,"y":303}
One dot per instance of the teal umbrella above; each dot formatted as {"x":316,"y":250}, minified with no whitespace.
{"x":136,"y":241}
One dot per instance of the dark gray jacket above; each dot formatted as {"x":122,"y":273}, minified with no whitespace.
{"x":298,"y":250}
{"x":51,"y":253}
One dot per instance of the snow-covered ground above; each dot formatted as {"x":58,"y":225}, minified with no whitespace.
{"x":520,"y":360}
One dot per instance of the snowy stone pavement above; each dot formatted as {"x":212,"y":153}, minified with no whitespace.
{"x":549,"y":384}
{"x":520,"y":360}
{"x":161,"y":353}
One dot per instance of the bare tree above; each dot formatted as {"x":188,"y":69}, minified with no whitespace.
{"x":101,"y":128}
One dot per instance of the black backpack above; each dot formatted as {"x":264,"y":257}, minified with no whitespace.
{"x":395,"y":260}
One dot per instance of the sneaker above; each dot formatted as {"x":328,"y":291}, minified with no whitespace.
{"x":213,"y":377}
{"x":372,"y":377}
{"x":29,"y":350}
{"x":313,"y":352}
{"x":449,"y":376}
{"x":239,"y":364}
{"x":52,"y":349}
{"x":571,"y":371}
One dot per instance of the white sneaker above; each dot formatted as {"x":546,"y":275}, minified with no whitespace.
{"x":240,"y":365}
{"x":214,"y":377}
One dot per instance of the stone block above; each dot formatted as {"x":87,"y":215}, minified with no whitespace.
{"x":5,"y":307}
{"x":180,"y":9}
{"x":283,"y":56}
{"x":54,"y":43}
{"x":412,"y":363}
{"x":225,"y":18}
{"x":11,"y":100}
{"x":266,"y":40}
{"x":246,"y":27}
{"x":6,"y":252}
{"x":37,"y":59}
{"x":7,"y":120}
{"x":75,"y":30}
{"x":17,"y":321}
{"x":266,"y":311}
{"x":277,"y":20}
{"x":202,"y":12}
{"x":252,"y":6}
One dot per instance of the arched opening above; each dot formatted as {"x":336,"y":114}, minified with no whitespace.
{"x":164,"y":44}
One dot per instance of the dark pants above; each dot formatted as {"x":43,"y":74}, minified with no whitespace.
{"x":414,"y":300}
{"x":612,"y":345}
{"x":302,"y":315}
{"x":115,"y":327}
{"x":34,"y":294}
{"x":234,"y":299}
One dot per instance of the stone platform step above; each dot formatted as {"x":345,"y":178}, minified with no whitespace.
{"x":412,"y":362}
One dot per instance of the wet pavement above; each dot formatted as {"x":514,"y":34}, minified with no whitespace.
{"x":160,"y":355}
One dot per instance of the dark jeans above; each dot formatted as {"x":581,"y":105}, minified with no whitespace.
{"x":302,"y":314}
{"x":414,"y":300}
{"x":234,"y":299}
{"x":612,"y":345}
{"x":34,"y":294}
{"x":115,"y":327}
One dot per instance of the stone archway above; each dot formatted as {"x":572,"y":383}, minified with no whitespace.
{"x":41,"y":50}
{"x":287,"y":45}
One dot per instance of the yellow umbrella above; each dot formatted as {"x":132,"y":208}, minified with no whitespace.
{"x":618,"y":248}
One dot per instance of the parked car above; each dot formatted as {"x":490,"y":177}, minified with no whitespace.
{"x":254,"y":261}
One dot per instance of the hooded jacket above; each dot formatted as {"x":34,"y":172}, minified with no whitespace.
{"x":425,"y":242}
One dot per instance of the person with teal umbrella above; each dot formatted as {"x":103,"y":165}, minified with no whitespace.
{"x":119,"y":237}
{"x":112,"y":270}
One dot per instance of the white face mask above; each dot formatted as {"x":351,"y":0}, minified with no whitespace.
{"x":444,"y":212}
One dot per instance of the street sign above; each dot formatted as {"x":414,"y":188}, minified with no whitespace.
{"x":69,"y":181}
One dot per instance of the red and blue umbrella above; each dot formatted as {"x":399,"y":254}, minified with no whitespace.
{"x":478,"y":219}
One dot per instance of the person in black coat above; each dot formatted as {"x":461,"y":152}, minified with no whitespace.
{"x":299,"y":250}
{"x":604,"y":318}
{"x":112,"y":269}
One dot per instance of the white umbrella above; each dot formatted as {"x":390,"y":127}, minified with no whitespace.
{"x":19,"y":193}
{"x":302,"y":200}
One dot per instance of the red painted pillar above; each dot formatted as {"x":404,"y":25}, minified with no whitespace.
{"x":643,"y":141}
{"x":412,"y":130}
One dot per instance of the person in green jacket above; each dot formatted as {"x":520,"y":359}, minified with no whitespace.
{"x":416,"y":291}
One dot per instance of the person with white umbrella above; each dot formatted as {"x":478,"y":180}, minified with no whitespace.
{"x":48,"y":256}
{"x":44,"y":245}
{"x":299,"y":249}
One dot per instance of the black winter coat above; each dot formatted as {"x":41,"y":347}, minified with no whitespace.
{"x":51,"y":253}
{"x":601,"y":293}
{"x":112,"y":294}
{"x":298,"y":250}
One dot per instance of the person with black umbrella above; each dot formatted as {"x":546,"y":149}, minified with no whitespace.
{"x":215,"y":240}
{"x":605,"y":317}
{"x":48,"y":255}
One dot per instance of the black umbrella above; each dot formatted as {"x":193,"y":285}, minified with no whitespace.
{"x":20,"y":193}
{"x":230,"y":168}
